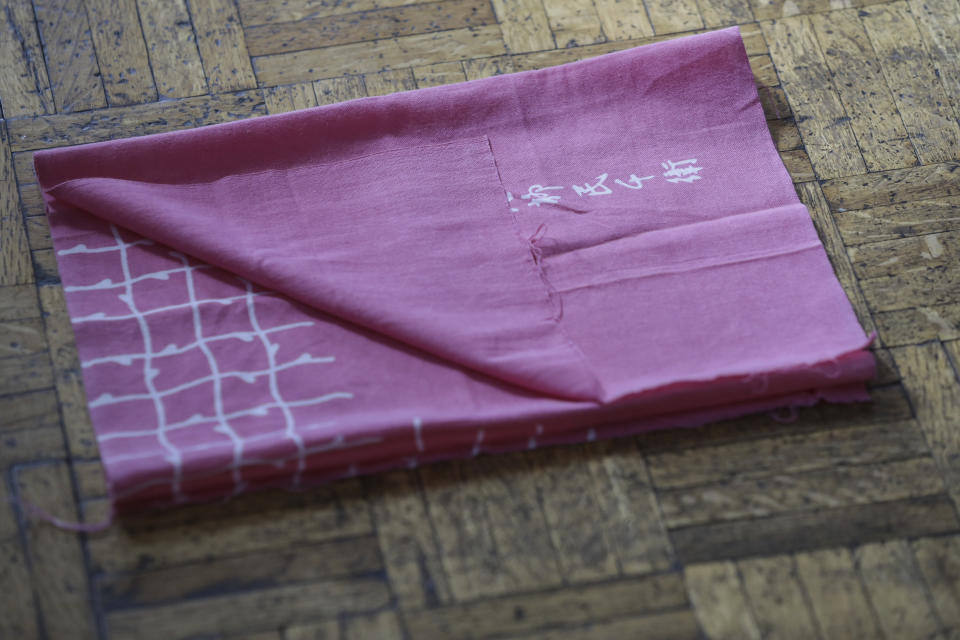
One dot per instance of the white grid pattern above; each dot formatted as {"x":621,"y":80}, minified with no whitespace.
{"x":220,"y":418}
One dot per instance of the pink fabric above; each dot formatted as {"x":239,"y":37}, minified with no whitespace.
{"x":480,"y":267}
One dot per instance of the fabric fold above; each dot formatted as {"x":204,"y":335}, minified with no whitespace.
{"x":590,"y":250}
{"x":372,"y":240}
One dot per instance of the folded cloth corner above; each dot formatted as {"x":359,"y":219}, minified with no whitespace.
{"x":585,"y":251}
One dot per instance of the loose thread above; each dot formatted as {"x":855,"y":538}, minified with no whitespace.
{"x":552,"y":294}
{"x":65,"y":525}
{"x":791,"y":415}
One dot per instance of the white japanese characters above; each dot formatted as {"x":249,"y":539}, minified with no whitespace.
{"x":680,"y":171}
{"x":596,"y":189}
{"x":634,"y":182}
{"x":537,"y":195}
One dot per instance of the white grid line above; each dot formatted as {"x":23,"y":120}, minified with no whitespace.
{"x":223,"y":425}
{"x":107,"y":283}
{"x":148,"y":371}
{"x":271,"y":349}
{"x":247,"y":376}
{"x":170,"y":349}
{"x":221,"y":419}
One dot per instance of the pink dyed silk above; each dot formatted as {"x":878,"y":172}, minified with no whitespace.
{"x":553,"y":256}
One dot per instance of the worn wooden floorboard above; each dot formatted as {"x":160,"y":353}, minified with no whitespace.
{"x":844,"y":523}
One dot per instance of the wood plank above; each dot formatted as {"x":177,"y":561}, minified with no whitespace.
{"x":898,"y":220}
{"x":45,"y":269}
{"x":573,"y":23}
{"x":841,"y":486}
{"x":290,"y":97}
{"x":939,"y":25}
{"x":931,"y":381}
{"x":221,"y":44}
{"x":815,"y":530}
{"x":38,"y":233}
{"x":435,"y":75}
{"x":623,"y":19}
{"x":785,"y":135}
{"x":222,"y":576}
{"x":77,"y":427}
{"x":329,"y":31}
{"x":887,"y":404}
{"x":322,"y":630}
{"x":923,"y":104}
{"x":836,"y":595}
{"x":488,"y":67}
{"x":172,"y":48}
{"x":56,"y":557}
{"x":19,"y":619}
{"x":752,"y":39}
{"x":786,"y":453}
{"x":777,"y":599}
{"x":570,"y":505}
{"x":903,"y":255}
{"x":764,"y":73}
{"x":339,"y":89}
{"x":25,"y":373}
{"x":723,"y":13}
{"x":672,"y":625}
{"x":377,"y":55}
{"x":938,"y":559}
{"x":22,"y":338}
{"x":34,"y":409}
{"x":519,"y":528}
{"x":15,"y":265}
{"x":23,"y":167}
{"x":719,"y":602}
{"x":254,"y":12}
{"x":407,"y":540}
{"x":773,"y":9}
{"x":136,"y":120}
{"x":912,"y":288}
{"x":90,"y":479}
{"x":798,"y":165}
{"x":466,"y":538}
{"x":774,"y":103}
{"x":33,"y":444}
{"x":387,"y":82}
{"x":668,"y":16}
{"x":524,"y":25}
{"x":527,"y":613}
{"x":24,"y":86}
{"x":257,"y":610}
{"x":919,"y":324}
{"x":893,"y":187}
{"x":896,"y":590}
{"x":71,"y":60}
{"x":121,"y":52}
{"x":812,"y":196}
{"x":825,"y":126}
{"x":252,"y":523}
{"x":873,"y":114}
{"x":31,"y":200}
{"x":628,"y":508}
{"x":383,"y":626}
{"x":18,"y":302}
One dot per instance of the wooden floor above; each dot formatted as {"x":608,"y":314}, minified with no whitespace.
{"x":840,"y":524}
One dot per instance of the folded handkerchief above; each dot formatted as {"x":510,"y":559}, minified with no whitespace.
{"x":553,"y":256}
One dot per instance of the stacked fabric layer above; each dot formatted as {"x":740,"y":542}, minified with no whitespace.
{"x":580,"y":252}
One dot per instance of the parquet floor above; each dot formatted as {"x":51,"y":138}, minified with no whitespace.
{"x":842,"y":524}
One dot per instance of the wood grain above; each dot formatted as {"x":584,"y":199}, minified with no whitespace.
{"x":840,"y":524}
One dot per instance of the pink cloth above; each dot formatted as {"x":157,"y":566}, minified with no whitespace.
{"x":481,"y":267}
